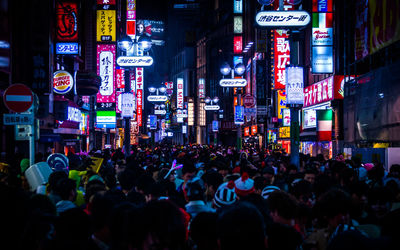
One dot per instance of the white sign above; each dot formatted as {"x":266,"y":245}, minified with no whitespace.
{"x":181,"y":115}
{"x":322,"y":36}
{"x":322,"y":60}
{"x":179,"y":93}
{"x":160,"y":112}
{"x":286,"y":117}
{"x":211,"y":107}
{"x":233,"y":83}
{"x":157,"y":98}
{"x":291,"y":18}
{"x":127,"y":104}
{"x":202,"y":88}
{"x":135,"y":61}
{"x":294,"y":85}
{"x":105,"y":119}
{"x":74,"y":114}
{"x":184,"y":129}
{"x":18,"y":119}
{"x":67,"y":48}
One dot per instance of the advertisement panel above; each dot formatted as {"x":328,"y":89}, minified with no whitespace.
{"x":67,"y":21}
{"x":63,"y":82}
{"x":294,"y":85}
{"x":237,"y":6}
{"x":237,"y":25}
{"x":201,"y":88}
{"x":254,"y":130}
{"x":247,"y":131}
{"x":67,"y":48}
{"x":170,"y":87}
{"x":324,"y":91}
{"x":179,"y":93}
{"x":237,"y":44}
{"x":284,"y":132}
{"x":215,"y":126}
{"x":152,"y":29}
{"x":131,"y":9}
{"x":106,"y":29}
{"x":322,"y":29}
{"x":120,"y":78}
{"x":239,"y":114}
{"x":153,"y":121}
{"x":105,"y":119}
{"x":139,"y":95}
{"x":286,"y":117}
{"x":282,"y":19}
{"x":322,"y":6}
{"x":281,"y":57}
{"x":322,"y":60}
{"x":106,"y":70}
{"x":127,"y":104}
{"x":281,"y":102}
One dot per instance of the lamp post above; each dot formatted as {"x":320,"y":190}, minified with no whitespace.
{"x":212,"y":104}
{"x":239,"y":70}
{"x":132,"y":49}
{"x":156,"y":95}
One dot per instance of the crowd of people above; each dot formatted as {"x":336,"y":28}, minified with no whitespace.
{"x":201,"y":197}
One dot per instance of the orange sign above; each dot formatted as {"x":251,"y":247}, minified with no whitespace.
{"x":247,"y":131}
{"x":254,"y":130}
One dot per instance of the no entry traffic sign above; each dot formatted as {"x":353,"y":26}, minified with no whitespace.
{"x":18,"y":98}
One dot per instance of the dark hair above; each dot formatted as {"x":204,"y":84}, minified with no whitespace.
{"x":126,"y":179}
{"x":203,"y":230}
{"x":195,"y":189}
{"x":54,"y":177}
{"x":241,"y":227}
{"x":332,"y":203}
{"x":64,"y":187}
{"x":144,"y":183}
{"x":188,"y":168}
{"x":92,"y":187}
{"x":213,"y":179}
{"x":283,"y":203}
{"x":260,"y":183}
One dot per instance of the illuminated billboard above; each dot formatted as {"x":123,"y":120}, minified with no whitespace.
{"x":106,"y":70}
{"x":67,"y":21}
{"x":106,"y":26}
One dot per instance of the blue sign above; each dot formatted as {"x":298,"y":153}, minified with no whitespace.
{"x":67,"y":48}
{"x":215,"y":126}
{"x":153,"y":121}
{"x":237,"y":6}
{"x":239,"y":115}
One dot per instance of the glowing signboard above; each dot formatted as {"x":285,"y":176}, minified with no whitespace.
{"x":63,"y":82}
{"x":135,"y":61}
{"x":281,"y":58}
{"x":67,"y":21}
{"x":106,"y":70}
{"x":283,"y":19}
{"x":67,"y":48}
{"x":157,"y":98}
{"x":233,"y":83}
{"x":211,"y":107}
{"x":179,"y":94}
{"x":106,"y":26}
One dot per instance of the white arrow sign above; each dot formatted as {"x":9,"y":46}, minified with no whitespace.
{"x":211,"y":107}
{"x":233,"y":83}
{"x":157,"y":98}
{"x":135,"y":61}
{"x":291,"y":18}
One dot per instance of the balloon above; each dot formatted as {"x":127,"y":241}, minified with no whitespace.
{"x":58,"y":162}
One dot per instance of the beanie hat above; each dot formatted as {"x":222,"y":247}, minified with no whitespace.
{"x":24,"y":164}
{"x":268,"y":190}
{"x":368,"y":166}
{"x":244,"y":185}
{"x":225,"y":194}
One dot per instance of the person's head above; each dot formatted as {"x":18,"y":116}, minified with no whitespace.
{"x":66,"y":189}
{"x":225,"y":195}
{"x":188,"y":172}
{"x":282,"y":207}
{"x":302,"y":191}
{"x":334,"y":207}
{"x":195,"y":189}
{"x":212,"y":181}
{"x":203,"y":231}
{"x":241,"y":227}
{"x":140,"y":27}
{"x":259,"y":184}
{"x":54,"y":177}
{"x":310,"y":174}
{"x":268,"y":173}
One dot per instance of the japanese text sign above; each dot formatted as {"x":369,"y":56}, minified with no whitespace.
{"x":323,"y":91}
{"x":179,"y":94}
{"x":67,"y":21}
{"x":294,"y":85}
{"x":283,"y":18}
{"x":281,"y":57}
{"x":139,"y":95}
{"x":106,"y":70}
{"x":106,"y":29}
{"x":237,"y":44}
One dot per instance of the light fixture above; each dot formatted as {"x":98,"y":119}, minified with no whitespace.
{"x":162,"y":89}
{"x":162,"y":106}
{"x":152,"y":89}
{"x":207,"y":100}
{"x":125,"y":43}
{"x":216,"y":99}
{"x":144,"y":43}
{"x":225,"y":69}
{"x":239,"y":69}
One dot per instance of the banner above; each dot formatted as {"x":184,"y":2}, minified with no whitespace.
{"x":324,"y":125}
{"x":67,"y":21}
{"x":281,"y":57}
{"x":106,"y":28}
{"x":139,"y":95}
{"x":106,"y":70}
{"x":179,"y":93}
{"x":281,"y":102}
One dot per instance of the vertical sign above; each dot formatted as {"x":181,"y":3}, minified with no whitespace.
{"x":282,"y":57}
{"x":131,"y":18}
{"x":139,"y":95}
{"x":106,"y":70}
{"x":281,"y":102}
{"x":67,"y":21}
{"x":170,"y":87}
{"x":120,"y":78}
{"x":153,"y":121}
{"x":237,"y":6}
{"x":294,"y":85}
{"x":179,"y":93}
{"x":202,"y":88}
{"x":239,"y":115}
{"x":106,"y":28}
{"x":237,"y":44}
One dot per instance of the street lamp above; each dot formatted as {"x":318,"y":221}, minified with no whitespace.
{"x":238,"y":83}
{"x":144,"y":43}
{"x":125,"y":43}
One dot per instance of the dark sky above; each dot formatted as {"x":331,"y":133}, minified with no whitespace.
{"x":152,"y":9}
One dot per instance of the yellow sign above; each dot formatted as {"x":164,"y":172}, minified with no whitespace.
{"x":106,"y":29}
{"x":284,"y":132}
{"x":281,"y":102}
{"x":96,"y":163}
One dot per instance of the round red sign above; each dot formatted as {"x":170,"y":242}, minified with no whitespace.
{"x":18,"y":98}
{"x":249,"y":101}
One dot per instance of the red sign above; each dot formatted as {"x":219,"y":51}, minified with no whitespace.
{"x":139,"y":95}
{"x":120,"y":78}
{"x":131,"y":27}
{"x":106,"y":70}
{"x":274,"y":119}
{"x":18,"y":98}
{"x":253,"y":129}
{"x":322,"y":6}
{"x":247,"y":131}
{"x":324,"y":91}
{"x":249,"y":101}
{"x":105,"y":2}
{"x":282,"y":58}
{"x":67,"y":21}
{"x":237,"y":44}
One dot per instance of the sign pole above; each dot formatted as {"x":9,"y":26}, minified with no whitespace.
{"x":32,"y":136}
